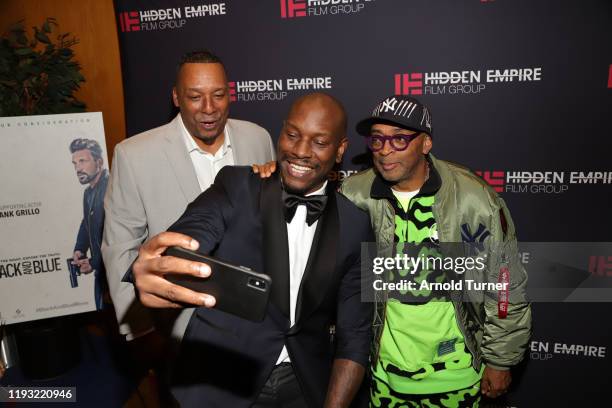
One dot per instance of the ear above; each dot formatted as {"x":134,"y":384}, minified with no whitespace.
{"x":427,"y":144}
{"x":100,"y":162}
{"x":341,"y":149}
{"x":175,"y":97}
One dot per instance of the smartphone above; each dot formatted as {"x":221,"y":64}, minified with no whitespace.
{"x":237,"y":289}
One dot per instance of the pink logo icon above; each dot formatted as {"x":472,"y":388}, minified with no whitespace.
{"x":293,"y":8}
{"x":409,"y":84}
{"x":495,"y":179}
{"x":129,"y":21}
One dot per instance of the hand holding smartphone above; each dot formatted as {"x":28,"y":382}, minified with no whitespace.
{"x":238,"y":290}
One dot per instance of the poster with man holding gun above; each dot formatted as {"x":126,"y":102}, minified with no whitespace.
{"x":89,"y":166}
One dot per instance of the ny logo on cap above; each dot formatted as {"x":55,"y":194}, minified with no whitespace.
{"x":399,"y":108}
{"x":389,"y":104}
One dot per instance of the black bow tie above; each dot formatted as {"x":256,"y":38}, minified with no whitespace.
{"x":315,"y":205}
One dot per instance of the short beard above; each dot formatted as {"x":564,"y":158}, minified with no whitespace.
{"x":89,"y":178}
{"x":301,"y":191}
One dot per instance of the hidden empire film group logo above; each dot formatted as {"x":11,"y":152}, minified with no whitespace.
{"x":168,"y":18}
{"x":542,"y":182}
{"x":290,"y":9}
{"x":276,"y":89}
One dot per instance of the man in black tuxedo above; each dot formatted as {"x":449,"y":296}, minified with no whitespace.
{"x":312,"y":347}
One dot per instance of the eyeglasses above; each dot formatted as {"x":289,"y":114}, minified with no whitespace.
{"x":397,"y":142}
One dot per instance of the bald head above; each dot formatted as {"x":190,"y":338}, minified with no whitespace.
{"x":325,"y":107}
{"x":313,"y":139}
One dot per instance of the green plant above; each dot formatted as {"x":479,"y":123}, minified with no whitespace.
{"x":38,"y":76}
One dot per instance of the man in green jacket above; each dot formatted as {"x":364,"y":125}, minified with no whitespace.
{"x":445,"y":348}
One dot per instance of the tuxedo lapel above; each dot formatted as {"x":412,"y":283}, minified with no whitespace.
{"x":275,"y":242}
{"x":321,"y":263}
{"x":180,"y":162}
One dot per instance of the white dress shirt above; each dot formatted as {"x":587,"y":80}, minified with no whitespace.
{"x":207,"y":165}
{"x":300,"y":236}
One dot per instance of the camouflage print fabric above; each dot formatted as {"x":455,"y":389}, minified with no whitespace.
{"x":381,"y":396}
{"x":415,"y":227}
{"x":431,"y":356}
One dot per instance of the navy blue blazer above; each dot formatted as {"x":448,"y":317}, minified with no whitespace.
{"x":89,"y":236}
{"x":224,"y":361}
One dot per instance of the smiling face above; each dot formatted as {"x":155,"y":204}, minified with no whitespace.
{"x":202,"y":95}
{"x":406,"y":169}
{"x":312,"y":140}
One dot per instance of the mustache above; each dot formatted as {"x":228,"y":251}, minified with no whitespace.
{"x":298,"y":161}
{"x":381,"y":161}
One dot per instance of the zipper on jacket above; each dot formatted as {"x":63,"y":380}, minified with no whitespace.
{"x":384,"y":311}
{"x":469,"y":343}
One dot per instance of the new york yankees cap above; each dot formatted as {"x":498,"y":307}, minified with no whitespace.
{"x":399,"y":110}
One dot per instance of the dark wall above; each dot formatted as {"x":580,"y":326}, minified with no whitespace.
{"x":551,"y":115}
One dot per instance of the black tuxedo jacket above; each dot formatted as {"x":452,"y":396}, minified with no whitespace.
{"x":224,"y":361}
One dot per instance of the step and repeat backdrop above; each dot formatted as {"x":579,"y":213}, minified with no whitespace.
{"x":520,"y":92}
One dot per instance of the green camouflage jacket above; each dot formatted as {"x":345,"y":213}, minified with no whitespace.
{"x":463,"y":199}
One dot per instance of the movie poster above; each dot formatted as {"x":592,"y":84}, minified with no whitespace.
{"x":53,"y":176}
